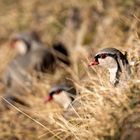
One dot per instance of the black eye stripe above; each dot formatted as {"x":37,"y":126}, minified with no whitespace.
{"x":57,"y":91}
{"x":96,"y":57}
{"x":103,"y":56}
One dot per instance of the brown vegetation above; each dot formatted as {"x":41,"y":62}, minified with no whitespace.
{"x":103,"y":23}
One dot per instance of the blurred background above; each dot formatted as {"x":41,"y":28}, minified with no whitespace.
{"x":84,"y":26}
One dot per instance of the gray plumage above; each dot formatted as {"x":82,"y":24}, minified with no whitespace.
{"x":18,"y":70}
{"x":35,"y":57}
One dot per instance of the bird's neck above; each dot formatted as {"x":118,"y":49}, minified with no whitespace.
{"x":63,"y":99}
{"x":113,"y":75}
{"x":67,"y":101}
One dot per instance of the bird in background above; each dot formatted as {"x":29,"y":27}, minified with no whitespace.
{"x":25,"y":42}
{"x":32,"y":55}
{"x":113,"y":60}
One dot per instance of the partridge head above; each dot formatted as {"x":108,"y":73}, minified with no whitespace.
{"x":62,"y":94}
{"x":113,"y":60}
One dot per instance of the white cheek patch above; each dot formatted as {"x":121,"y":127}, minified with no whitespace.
{"x":21,"y":47}
{"x":108,"y":62}
{"x":63,"y":99}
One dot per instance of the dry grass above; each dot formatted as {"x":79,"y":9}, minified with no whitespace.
{"x":103,"y":107}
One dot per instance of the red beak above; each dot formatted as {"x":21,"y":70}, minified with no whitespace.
{"x":12,"y":43}
{"x":94,"y":62}
{"x":48,"y":99}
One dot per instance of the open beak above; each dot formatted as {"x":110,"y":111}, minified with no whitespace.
{"x":94,"y":62}
{"x":48,"y":99}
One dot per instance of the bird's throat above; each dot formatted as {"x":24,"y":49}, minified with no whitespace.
{"x":113,"y":75}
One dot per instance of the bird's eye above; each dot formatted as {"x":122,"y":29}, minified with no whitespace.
{"x":103,"y":56}
{"x":58,"y":91}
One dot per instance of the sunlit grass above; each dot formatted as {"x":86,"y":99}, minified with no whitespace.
{"x":102,"y":106}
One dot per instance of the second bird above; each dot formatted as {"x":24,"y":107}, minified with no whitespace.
{"x":31,"y":55}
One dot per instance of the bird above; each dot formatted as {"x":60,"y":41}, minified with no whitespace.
{"x":25,"y":44}
{"x":32,"y":55}
{"x":113,"y":60}
{"x":30,"y":43}
{"x":62,"y":94}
